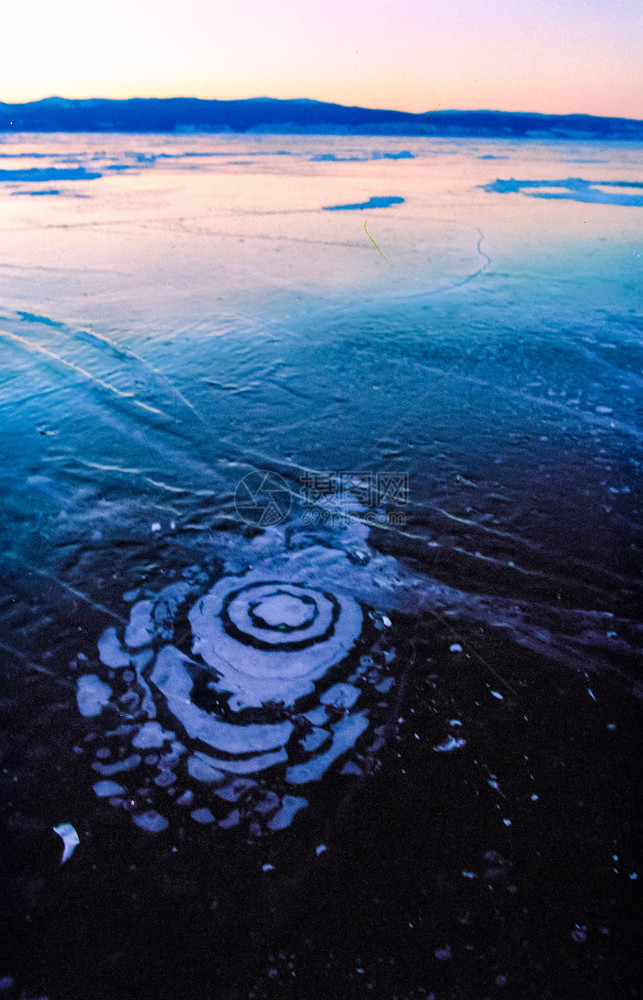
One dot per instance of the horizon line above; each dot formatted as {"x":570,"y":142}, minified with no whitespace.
{"x":313,"y":100}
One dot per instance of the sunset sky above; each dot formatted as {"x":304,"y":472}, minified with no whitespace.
{"x":553,"y":56}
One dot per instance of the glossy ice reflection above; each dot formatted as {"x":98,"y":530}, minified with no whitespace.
{"x":180,"y":313}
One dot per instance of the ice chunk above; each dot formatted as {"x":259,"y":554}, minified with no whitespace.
{"x":233,"y":791}
{"x":140,"y":630}
{"x":128,"y":764}
{"x":269,"y":803}
{"x":92,"y":695}
{"x":290,"y":805}
{"x":110,"y":650}
{"x":164,"y":779}
{"x":70,"y":839}
{"x":139,"y":662}
{"x":151,"y":821}
{"x":166,"y":607}
{"x":248,"y":765}
{"x":230,"y":820}
{"x":201,"y":768}
{"x":346,"y":732}
{"x":202,"y":816}
{"x":450,"y":744}
{"x":340,"y":695}
{"x":150,"y":735}
{"x":106,"y":788}
{"x":318,"y":716}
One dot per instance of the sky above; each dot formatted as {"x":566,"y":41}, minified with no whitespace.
{"x":552,"y":56}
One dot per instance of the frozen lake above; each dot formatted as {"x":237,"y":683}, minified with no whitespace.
{"x":321,"y":563}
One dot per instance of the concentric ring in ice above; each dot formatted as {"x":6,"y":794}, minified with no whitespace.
{"x":271,"y":640}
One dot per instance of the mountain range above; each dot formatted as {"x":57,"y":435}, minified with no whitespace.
{"x":269,"y":115}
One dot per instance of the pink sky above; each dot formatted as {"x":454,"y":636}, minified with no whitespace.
{"x":553,"y":56}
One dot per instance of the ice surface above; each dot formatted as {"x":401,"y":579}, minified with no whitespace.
{"x":575,"y":188}
{"x":373,"y":202}
{"x":490,"y":368}
{"x":45,"y":174}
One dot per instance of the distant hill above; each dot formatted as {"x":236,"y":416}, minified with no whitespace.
{"x":265,"y":114}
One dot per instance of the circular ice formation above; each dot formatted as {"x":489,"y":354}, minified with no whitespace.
{"x":225,"y":722}
{"x":271,"y":640}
